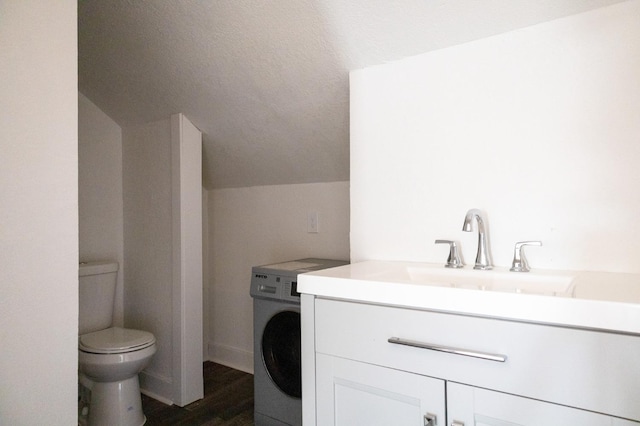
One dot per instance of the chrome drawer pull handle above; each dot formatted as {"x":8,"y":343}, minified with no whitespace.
{"x":447,"y":349}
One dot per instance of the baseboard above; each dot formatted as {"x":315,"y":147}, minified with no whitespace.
{"x":156,"y":397}
{"x":231,"y":357}
{"x":159,"y":387}
{"x":156,"y":386}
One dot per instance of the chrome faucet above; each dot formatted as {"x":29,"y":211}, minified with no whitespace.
{"x":483,"y":258}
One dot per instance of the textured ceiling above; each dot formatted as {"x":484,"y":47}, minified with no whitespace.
{"x":267,"y":81}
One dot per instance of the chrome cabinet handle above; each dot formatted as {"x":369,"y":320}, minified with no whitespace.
{"x":430,"y":419}
{"x":457,"y":423}
{"x":448,"y":349}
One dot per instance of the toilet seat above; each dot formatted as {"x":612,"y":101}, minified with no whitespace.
{"x":115,"y":340}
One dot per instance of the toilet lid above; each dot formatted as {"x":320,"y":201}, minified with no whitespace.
{"x":115,"y":340}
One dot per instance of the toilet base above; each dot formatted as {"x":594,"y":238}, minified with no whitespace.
{"x":116,"y":403}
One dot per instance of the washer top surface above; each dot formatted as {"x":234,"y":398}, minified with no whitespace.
{"x":300,"y":266}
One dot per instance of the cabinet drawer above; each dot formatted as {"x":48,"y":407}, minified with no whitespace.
{"x":585,"y":369}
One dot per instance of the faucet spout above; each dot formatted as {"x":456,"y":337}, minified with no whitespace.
{"x":483,"y":258}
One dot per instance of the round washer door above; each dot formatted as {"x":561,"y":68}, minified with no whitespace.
{"x":281,"y":352}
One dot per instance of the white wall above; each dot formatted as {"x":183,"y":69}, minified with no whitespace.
{"x":38,"y":213}
{"x":538,"y":127}
{"x":100,"y":191}
{"x":257,"y":226}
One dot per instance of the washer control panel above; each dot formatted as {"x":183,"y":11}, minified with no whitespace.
{"x":270,"y":286}
{"x":279,"y":281}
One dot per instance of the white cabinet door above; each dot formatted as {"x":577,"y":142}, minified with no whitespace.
{"x":470,"y":406}
{"x":351,"y":393}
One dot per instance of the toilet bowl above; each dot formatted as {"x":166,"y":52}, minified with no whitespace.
{"x":109,"y":358}
{"x":109,"y":362}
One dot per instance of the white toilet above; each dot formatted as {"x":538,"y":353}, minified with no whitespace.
{"x":109,"y":358}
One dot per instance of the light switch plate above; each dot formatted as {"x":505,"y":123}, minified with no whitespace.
{"x":312,"y":223}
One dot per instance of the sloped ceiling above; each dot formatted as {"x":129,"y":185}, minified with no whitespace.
{"x":267,"y":81}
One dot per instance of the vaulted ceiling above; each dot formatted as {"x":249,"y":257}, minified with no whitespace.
{"x":267,"y":82}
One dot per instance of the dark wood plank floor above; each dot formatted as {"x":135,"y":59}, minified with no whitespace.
{"x":228,"y":401}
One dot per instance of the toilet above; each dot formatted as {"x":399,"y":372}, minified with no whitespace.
{"x":109,"y":358}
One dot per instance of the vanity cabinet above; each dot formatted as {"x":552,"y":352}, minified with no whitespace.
{"x":461,"y":370}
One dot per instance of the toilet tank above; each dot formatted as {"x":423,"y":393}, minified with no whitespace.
{"x":97,"y":294}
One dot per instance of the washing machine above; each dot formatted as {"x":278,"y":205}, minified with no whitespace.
{"x":276,"y":341}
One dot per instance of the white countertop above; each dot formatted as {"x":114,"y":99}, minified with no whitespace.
{"x":599,"y":300}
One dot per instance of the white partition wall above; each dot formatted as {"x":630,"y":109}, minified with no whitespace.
{"x":148,"y":252}
{"x":186,"y":156}
{"x":163,"y":252}
{"x":538,"y":127}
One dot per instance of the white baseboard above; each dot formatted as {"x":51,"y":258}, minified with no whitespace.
{"x":156,"y":397}
{"x":231,"y":357}
{"x":159,"y":387}
{"x":156,"y":386}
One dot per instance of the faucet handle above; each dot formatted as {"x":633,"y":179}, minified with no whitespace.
{"x":520,"y":263}
{"x":454,"y":260}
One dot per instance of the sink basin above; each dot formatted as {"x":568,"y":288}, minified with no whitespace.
{"x":547,"y":283}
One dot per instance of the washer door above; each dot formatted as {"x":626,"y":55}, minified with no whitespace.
{"x":281,"y":352}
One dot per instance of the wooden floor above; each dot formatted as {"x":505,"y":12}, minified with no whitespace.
{"x":228,"y":401}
